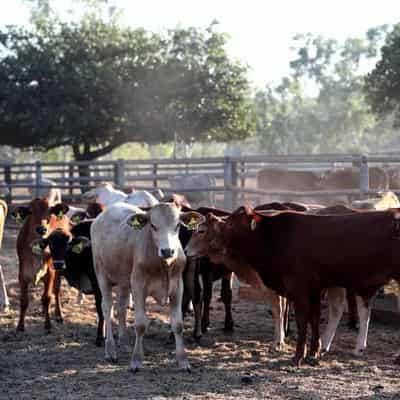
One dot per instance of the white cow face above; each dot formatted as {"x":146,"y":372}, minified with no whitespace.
{"x":164,"y":220}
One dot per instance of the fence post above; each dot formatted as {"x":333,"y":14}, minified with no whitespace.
{"x":71,"y":179}
{"x":230,"y":179}
{"x":119,"y":173}
{"x":364,"y":176}
{"x":7,"y":180}
{"x":38,"y":180}
{"x":155,"y":182}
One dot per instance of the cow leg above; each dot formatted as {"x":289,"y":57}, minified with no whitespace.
{"x":302,"y":306}
{"x":46,"y":297}
{"x":226,"y":295}
{"x":24,"y":302}
{"x":336,"y":298}
{"x":57,"y":285}
{"x":197,"y":305}
{"x":106,"y":294}
{"x":177,"y":326}
{"x":4,"y":302}
{"x":315,"y":345}
{"x":140,"y":325}
{"x":207,"y":296}
{"x":100,"y":317}
{"x":189,"y":277}
{"x":352,"y":321}
{"x":278,"y":312}
{"x":364,"y":314}
{"x":123,"y":302}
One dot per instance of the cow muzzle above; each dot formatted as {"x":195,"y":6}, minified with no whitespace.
{"x":168,"y":257}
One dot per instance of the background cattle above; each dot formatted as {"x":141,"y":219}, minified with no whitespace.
{"x":51,"y":192}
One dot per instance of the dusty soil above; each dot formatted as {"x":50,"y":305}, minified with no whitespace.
{"x":67,"y":365}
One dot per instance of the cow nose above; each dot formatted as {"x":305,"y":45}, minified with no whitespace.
{"x":59,"y":265}
{"x":41,"y":230}
{"x":167,"y":253}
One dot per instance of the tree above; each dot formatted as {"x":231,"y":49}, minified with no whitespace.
{"x":321,"y":106}
{"x":382,"y":84}
{"x":94,"y":86}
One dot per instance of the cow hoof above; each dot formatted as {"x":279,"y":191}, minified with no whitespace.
{"x":279,"y":347}
{"x":228,"y":328}
{"x":312,"y":361}
{"x":297,"y":362}
{"x":135,"y":366}
{"x":324,"y":352}
{"x":99,"y":342}
{"x":20,"y":328}
{"x":197,"y":338}
{"x":60,"y":320}
{"x":111,"y":359}
{"x":359,"y":352}
{"x":184,"y":366}
{"x":352,"y":326}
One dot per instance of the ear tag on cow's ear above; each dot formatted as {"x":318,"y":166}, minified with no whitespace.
{"x":18,"y":219}
{"x":135,"y":223}
{"x":253,"y":224}
{"x":77,"y":248}
{"x":37,"y":250}
{"x":60,"y":215}
{"x":191,"y":225}
{"x":76,"y":219}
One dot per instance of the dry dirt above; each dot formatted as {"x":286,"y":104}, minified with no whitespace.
{"x":67,"y":365}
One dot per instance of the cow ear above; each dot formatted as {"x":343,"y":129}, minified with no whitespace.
{"x":191,"y":219}
{"x":138,"y":221}
{"x":38,"y":246}
{"x":79,"y":243}
{"x":59,"y":210}
{"x":78,"y":217}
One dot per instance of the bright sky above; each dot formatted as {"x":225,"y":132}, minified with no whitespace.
{"x":260,"y":30}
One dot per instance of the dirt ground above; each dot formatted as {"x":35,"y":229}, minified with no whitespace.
{"x":67,"y":365}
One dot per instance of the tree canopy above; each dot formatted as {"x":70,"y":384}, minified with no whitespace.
{"x":382,"y":84}
{"x":95,"y":85}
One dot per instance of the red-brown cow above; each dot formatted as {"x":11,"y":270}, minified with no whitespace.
{"x":298,"y":255}
{"x":32,"y":269}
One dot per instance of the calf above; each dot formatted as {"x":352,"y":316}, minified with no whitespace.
{"x":298,"y":255}
{"x":140,"y":250}
{"x":33,"y":269}
{"x":72,"y":255}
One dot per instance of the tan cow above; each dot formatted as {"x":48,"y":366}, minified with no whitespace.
{"x":141,"y":250}
{"x":4,"y":302}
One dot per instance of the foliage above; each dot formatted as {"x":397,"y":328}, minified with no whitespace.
{"x":382,"y":84}
{"x":336,"y":118}
{"x":93,"y":86}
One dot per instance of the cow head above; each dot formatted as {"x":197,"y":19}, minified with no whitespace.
{"x":163,"y":221}
{"x":37,"y":210}
{"x":208,"y":239}
{"x":60,"y":243}
{"x":20,"y":213}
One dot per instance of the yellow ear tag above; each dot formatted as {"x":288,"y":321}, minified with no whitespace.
{"x":37,"y":250}
{"x":60,"y":215}
{"x":77,"y":248}
{"x":192,"y":223}
{"x":253,"y":224}
{"x":19,"y":220}
{"x":76,"y":219}
{"x":135,"y":223}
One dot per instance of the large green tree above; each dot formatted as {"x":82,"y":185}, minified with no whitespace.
{"x":95,"y":85}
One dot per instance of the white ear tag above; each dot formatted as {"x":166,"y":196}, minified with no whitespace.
{"x":253,"y":224}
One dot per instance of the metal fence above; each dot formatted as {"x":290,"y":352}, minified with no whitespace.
{"x":234,"y":177}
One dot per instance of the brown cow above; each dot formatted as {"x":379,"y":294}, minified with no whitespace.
{"x":33,"y":269}
{"x":298,"y":255}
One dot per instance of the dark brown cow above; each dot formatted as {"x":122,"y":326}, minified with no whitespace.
{"x":298,"y":255}
{"x":32,"y":269}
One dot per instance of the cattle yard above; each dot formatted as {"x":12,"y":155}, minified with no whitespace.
{"x":66,"y":363}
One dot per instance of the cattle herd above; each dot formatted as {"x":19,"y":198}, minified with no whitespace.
{"x":154,"y":245}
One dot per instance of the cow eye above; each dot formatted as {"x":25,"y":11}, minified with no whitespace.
{"x":154,"y":228}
